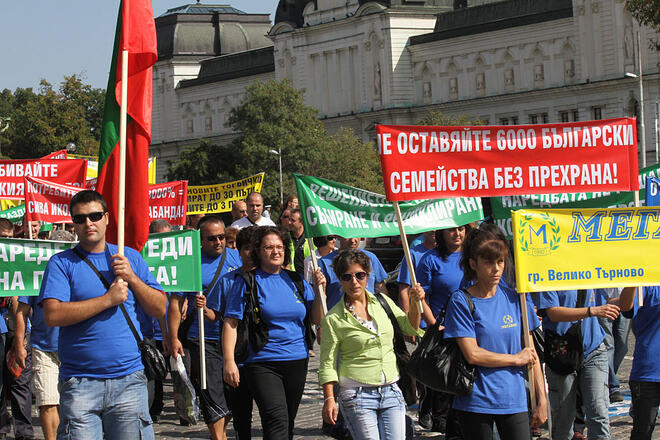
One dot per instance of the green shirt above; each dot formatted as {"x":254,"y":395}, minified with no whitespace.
{"x":365,"y":355}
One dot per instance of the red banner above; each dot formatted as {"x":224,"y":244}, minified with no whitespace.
{"x":48,"y":201}
{"x":61,"y":154}
{"x":12,"y":173}
{"x":480,"y":161}
{"x":169,"y":201}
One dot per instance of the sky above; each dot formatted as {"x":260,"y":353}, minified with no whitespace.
{"x":52,"y":38}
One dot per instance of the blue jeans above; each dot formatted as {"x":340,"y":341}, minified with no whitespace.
{"x":592,"y":380}
{"x":374,"y":413}
{"x":616,"y":340}
{"x":115,"y":408}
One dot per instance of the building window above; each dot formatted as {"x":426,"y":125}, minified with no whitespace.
{"x":510,"y":120}
{"x":189,"y":126}
{"x":514,"y":120}
{"x":597,"y":113}
{"x":544,"y":118}
{"x":533,"y":119}
{"x":563,"y":116}
{"x":208,"y":124}
{"x":576,"y":116}
{"x":569,"y":116}
{"x":504,"y":121}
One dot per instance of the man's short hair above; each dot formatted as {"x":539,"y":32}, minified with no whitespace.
{"x":6,"y":225}
{"x":61,"y":235}
{"x":87,"y":196}
{"x":253,"y":193}
{"x":158,"y":225}
{"x":209,"y":219}
{"x":295,"y":211}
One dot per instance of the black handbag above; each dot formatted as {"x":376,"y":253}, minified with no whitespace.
{"x":564,"y":353}
{"x":439,"y":363}
{"x":406,"y":382}
{"x":252,"y":331}
{"x":155,"y":367}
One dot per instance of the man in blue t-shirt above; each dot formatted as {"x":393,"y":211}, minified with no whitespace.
{"x":103,"y":388}
{"x":212,"y":400}
{"x":375,"y":282}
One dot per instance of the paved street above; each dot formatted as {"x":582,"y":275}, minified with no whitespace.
{"x":308,"y":422}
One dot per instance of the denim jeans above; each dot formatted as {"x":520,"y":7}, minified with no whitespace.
{"x":616,"y":340}
{"x":645,"y":400}
{"x":591,"y":379}
{"x":374,"y":413}
{"x":105,"y":408}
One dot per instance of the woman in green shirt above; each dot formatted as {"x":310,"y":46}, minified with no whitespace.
{"x":358,"y":354}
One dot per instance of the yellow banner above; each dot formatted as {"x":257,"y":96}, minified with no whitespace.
{"x":93,"y":166}
{"x":565,"y":249}
{"x":210,"y":199}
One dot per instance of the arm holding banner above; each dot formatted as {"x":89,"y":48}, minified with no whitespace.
{"x":152,"y":301}
{"x":540,"y":409}
{"x":627,"y":298}
{"x":174,"y":314}
{"x":209,"y":314}
{"x":319,"y":308}
{"x":476,"y":355}
{"x":570,"y":314}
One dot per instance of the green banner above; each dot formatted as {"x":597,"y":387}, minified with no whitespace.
{"x":14,"y":214}
{"x":23,"y":262}
{"x":333,"y":208}
{"x":502,"y":206}
{"x":175,"y":260}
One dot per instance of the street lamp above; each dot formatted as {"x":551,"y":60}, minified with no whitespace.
{"x":279,"y":154}
{"x":641,"y":98}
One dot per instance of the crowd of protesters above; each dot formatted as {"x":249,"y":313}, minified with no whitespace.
{"x":72,"y":348}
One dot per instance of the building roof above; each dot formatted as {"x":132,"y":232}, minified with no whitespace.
{"x":198,"y":8}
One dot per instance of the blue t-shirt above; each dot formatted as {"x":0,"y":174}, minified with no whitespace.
{"x":592,"y":332}
{"x":209,"y":266}
{"x":439,"y":278}
{"x":282,"y":311}
{"x":646,"y":361}
{"x":102,"y":346}
{"x":416,"y":254}
{"x":146,"y":323}
{"x":217,"y":297}
{"x":496,"y":325}
{"x":333,"y":290}
{"x":42,"y":337}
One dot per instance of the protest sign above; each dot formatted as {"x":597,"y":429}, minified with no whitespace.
{"x":12,"y":173}
{"x":564,"y":249}
{"x":169,"y":201}
{"x":61,"y":154}
{"x":502,"y":206}
{"x":48,"y":201}
{"x":430,"y":162}
{"x":175,"y":260}
{"x":14,"y":214}
{"x":652,"y":191}
{"x":333,"y":208}
{"x":209,"y":199}
{"x":23,"y":262}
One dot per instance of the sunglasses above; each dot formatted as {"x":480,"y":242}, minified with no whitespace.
{"x":79,"y":219}
{"x":218,"y":237}
{"x":346,"y":277}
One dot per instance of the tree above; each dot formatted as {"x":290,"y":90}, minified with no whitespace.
{"x":646,"y":12}
{"x":273,"y":117}
{"x":439,"y":119}
{"x":48,"y":120}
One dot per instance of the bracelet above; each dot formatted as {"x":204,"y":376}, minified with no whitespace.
{"x":588,"y":312}
{"x":328,"y":398}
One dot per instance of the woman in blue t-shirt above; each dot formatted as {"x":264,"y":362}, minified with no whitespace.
{"x":490,"y":338}
{"x":439,"y":273}
{"x":276,"y":374}
{"x":645,"y":372}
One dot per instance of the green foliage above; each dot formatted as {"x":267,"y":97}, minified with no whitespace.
{"x":47,"y":120}
{"x":437,"y":118}
{"x":274,"y":118}
{"x":645,"y":11}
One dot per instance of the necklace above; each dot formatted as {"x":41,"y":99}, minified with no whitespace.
{"x":352,"y":311}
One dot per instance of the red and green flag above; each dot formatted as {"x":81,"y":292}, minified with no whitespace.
{"x":136,"y":33}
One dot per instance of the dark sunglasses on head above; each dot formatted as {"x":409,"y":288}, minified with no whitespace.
{"x":218,"y":237}
{"x":79,"y":219}
{"x":346,"y":277}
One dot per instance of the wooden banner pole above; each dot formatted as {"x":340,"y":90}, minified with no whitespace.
{"x":121,"y":208}
{"x":202,"y":345}
{"x":315,"y":265}
{"x":528,"y":343}
{"x":406,"y":251}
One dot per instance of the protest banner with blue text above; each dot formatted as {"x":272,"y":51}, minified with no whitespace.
{"x":652,"y":191}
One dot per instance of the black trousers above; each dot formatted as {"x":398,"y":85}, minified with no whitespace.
{"x":479,"y":426}
{"x":18,"y":393}
{"x":277,"y":388}
{"x":645,"y":402}
{"x":240,"y":403}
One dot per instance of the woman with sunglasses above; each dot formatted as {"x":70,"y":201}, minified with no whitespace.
{"x":357,"y":353}
{"x":276,"y":374}
{"x":489,"y":337}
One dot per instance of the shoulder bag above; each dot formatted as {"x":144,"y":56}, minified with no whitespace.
{"x":439,"y":363}
{"x":564,"y":353}
{"x":406,"y":382}
{"x":252,"y":331}
{"x":155,"y":367}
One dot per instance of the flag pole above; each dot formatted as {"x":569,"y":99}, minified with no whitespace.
{"x":121,"y":208}
{"x":315,"y":265}
{"x":528,"y":343}
{"x":406,"y":251}
{"x":202,"y":345}
{"x":640,"y":289}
